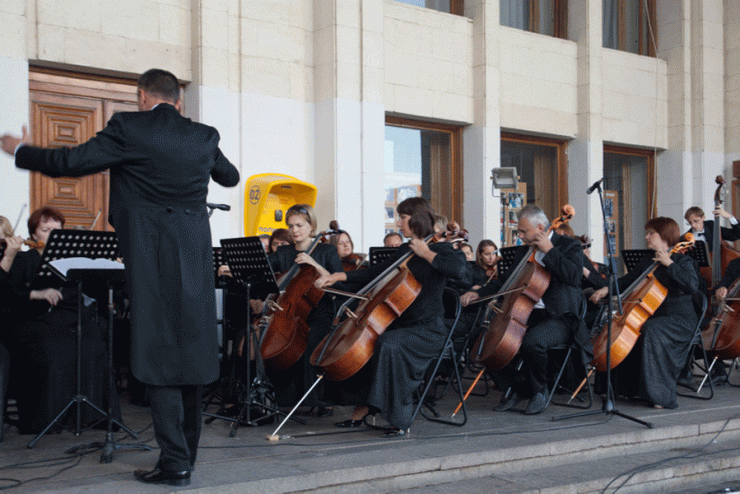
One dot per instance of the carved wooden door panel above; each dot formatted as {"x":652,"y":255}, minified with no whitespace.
{"x":67,"y":112}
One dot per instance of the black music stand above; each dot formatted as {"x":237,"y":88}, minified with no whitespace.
{"x":507,"y":258}
{"x":607,"y":404}
{"x":380,"y":254}
{"x":633,"y":257}
{"x":250,"y":269}
{"x":91,"y":245}
{"x":111,"y":278}
{"x":700,"y":252}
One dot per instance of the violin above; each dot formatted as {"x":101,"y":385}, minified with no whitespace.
{"x":641,"y":299}
{"x":284,"y":319}
{"x":30,"y":243}
{"x":524,"y":287}
{"x":352,"y":341}
{"x":354,"y":261}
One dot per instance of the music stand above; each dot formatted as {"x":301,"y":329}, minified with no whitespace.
{"x":633,"y":257}
{"x":91,"y":245}
{"x":700,"y":252}
{"x":250,"y":269}
{"x":380,"y":254}
{"x":507,"y":258}
{"x":607,"y":405}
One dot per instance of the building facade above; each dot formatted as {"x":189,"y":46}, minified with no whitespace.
{"x":375,"y":100}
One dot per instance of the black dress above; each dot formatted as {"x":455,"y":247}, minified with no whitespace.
{"x":403,"y":352}
{"x":293,"y":382}
{"x":651,"y":369}
{"x":42,"y":344}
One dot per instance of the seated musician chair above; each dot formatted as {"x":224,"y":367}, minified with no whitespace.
{"x":571,"y":355}
{"x":451,"y":301}
{"x":702,"y":364}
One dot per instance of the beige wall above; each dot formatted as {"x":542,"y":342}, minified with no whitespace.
{"x":302,"y":87}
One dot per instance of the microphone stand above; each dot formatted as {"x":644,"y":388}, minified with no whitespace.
{"x":607,"y":405}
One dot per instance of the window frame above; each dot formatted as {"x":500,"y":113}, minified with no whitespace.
{"x":560,"y":15}
{"x":641,"y":27}
{"x":450,"y":202}
{"x":561,"y":167}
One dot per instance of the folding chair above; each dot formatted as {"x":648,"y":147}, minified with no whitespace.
{"x":451,"y":301}
{"x":571,"y":350}
{"x":705,"y":368}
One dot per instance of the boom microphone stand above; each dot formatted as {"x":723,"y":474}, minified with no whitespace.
{"x":607,"y":405}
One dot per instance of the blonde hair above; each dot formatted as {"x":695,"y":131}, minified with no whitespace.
{"x":5,"y":227}
{"x":306,"y":212}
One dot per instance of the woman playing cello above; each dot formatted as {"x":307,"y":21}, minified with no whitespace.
{"x":403,"y":352}
{"x":301,"y":221}
{"x":651,"y":370}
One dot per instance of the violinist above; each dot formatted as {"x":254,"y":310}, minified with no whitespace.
{"x":292,"y":382}
{"x":467,"y":249}
{"x":345,"y":248}
{"x":486,"y":262}
{"x":279,"y":236}
{"x":651,"y":369}
{"x":44,"y":322}
{"x":554,"y":319}
{"x":404,"y":350}
{"x":392,"y":239}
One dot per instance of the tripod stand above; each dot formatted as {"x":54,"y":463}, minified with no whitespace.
{"x":251,"y":270}
{"x":607,"y":405}
{"x":64,"y":251}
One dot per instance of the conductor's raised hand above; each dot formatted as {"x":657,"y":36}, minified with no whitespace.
{"x":10,"y":142}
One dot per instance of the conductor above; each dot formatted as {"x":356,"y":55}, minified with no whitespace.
{"x":160,"y":165}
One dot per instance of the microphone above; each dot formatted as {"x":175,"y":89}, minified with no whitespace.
{"x":594,"y":186}
{"x":222,"y":207}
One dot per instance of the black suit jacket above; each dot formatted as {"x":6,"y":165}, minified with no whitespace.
{"x":160,"y":165}
{"x":563,"y":296}
{"x":729,"y":234}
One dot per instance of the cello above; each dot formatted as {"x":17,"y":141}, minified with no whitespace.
{"x":641,"y":299}
{"x":285,"y":330}
{"x":352,"y":342}
{"x":722,"y":337}
{"x":523,"y":288}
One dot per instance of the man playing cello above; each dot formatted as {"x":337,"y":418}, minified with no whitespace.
{"x":554,"y":319}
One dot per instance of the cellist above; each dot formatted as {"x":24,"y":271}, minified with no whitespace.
{"x":291,"y":383}
{"x":403,"y":351}
{"x":651,"y":369}
{"x":554,"y":320}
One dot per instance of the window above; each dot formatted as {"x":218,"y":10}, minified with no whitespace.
{"x":629,"y":25}
{"x":540,"y":164}
{"x":448,"y":6}
{"x":548,"y":17}
{"x":422,"y":159}
{"x":628,"y":193}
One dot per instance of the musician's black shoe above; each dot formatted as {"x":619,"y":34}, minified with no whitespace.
{"x":394,"y":432}
{"x":537,"y":404}
{"x":158,"y":476}
{"x":508,"y":403}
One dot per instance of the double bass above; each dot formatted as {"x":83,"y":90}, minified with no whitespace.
{"x":722,"y":252}
{"x":641,"y":299}
{"x":350,"y":346}
{"x":524,"y":287}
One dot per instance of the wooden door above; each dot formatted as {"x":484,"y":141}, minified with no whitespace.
{"x":67,"y":110}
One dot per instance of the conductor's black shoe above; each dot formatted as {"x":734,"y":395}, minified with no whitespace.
{"x":536,"y":405}
{"x":158,"y":476}
{"x":508,"y":403}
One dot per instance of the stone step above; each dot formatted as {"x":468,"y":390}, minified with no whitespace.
{"x":577,"y":465}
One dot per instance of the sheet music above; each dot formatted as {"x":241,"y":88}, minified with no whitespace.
{"x":64,"y":265}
